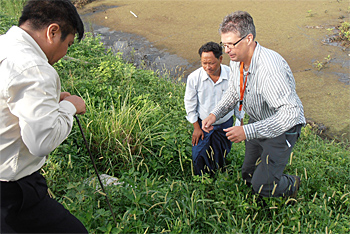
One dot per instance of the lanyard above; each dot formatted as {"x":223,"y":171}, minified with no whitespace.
{"x":242,"y":88}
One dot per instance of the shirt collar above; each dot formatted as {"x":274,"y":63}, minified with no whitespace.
{"x":223,"y":74}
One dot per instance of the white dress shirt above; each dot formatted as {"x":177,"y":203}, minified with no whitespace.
{"x":33,"y":121}
{"x":202,"y":95}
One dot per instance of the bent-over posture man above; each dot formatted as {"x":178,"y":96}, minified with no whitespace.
{"x":263,"y":85}
{"x":35,"y":116}
{"x":205,"y":88}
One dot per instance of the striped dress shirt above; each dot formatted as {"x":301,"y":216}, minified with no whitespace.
{"x":270,"y":98}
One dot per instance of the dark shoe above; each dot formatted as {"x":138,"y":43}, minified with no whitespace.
{"x":296,"y":185}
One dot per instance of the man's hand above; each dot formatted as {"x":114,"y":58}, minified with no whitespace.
{"x":235,"y":134}
{"x":197,"y":133}
{"x":78,"y":102}
{"x":207,"y":123}
{"x":64,"y":95}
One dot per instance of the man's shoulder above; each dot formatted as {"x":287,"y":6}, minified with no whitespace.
{"x":225,"y":71}
{"x":20,"y":49}
{"x":225,"y":67}
{"x":269,"y":55}
{"x":197,"y":71}
{"x":23,"y":61}
{"x":269,"y":60}
{"x":196,"y":74}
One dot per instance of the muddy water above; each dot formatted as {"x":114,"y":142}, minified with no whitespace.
{"x":298,"y":30}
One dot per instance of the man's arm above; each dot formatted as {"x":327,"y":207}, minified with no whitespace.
{"x":44,"y":121}
{"x":191,"y":100}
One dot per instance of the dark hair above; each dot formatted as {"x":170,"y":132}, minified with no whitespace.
{"x":42,"y":13}
{"x":211,"y":47}
{"x":239,"y":21}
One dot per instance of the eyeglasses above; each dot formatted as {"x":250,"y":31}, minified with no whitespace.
{"x":231,"y":45}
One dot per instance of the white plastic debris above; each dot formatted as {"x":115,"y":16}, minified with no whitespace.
{"x":106,"y":180}
{"x":133,"y":14}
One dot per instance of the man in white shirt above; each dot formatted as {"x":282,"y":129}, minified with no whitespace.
{"x":35,"y":116}
{"x":205,"y":88}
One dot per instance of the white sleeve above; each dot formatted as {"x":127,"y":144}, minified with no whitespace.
{"x":191,"y":100}
{"x":34,"y":99}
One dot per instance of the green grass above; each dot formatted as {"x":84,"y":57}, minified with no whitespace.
{"x":136,"y":128}
{"x":13,"y":8}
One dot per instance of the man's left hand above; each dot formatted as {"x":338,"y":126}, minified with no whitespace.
{"x":235,"y":134}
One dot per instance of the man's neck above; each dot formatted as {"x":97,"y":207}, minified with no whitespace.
{"x":249,"y":56}
{"x":215,"y":77}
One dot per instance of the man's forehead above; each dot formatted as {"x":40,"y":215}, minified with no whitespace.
{"x":229,"y":35}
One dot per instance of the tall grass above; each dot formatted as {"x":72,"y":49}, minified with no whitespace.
{"x":137,"y":132}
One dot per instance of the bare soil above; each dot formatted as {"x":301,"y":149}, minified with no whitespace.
{"x":299,"y":30}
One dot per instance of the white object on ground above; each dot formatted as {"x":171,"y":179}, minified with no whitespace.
{"x":106,"y":180}
{"x":133,"y":14}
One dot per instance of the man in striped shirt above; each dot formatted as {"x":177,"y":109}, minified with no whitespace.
{"x":264,"y":86}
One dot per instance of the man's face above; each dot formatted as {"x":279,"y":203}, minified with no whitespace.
{"x":235,"y":50}
{"x":59,"y":48}
{"x":210,"y":63}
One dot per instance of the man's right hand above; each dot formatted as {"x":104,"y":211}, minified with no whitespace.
{"x":78,"y":102}
{"x":207,"y":123}
{"x":197,"y":133}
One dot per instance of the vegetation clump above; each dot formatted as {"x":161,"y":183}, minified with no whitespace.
{"x":344,"y":34}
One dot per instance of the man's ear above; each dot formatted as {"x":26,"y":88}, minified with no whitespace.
{"x":250,"y":38}
{"x":220,"y":58}
{"x":53,"y":32}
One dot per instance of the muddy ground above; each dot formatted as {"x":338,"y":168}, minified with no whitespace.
{"x":168,"y":33}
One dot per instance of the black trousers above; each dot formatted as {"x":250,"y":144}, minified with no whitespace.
{"x":265,"y":161}
{"x":210,"y":153}
{"x":27,"y":208}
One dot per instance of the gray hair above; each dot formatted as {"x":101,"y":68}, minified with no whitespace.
{"x":238,"y":22}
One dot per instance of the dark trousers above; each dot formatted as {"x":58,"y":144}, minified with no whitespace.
{"x":209,"y":154}
{"x":26,"y":207}
{"x":265,"y":161}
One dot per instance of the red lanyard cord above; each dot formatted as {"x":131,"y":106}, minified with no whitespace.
{"x":242,"y":87}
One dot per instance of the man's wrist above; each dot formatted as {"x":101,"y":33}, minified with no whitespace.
{"x":212,"y":115}
{"x":196,"y":125}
